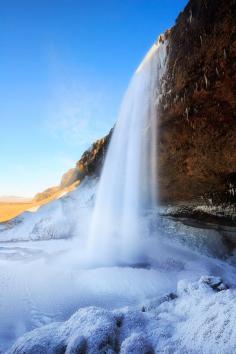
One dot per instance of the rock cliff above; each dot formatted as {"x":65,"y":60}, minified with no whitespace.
{"x":90,"y":164}
{"x":197,"y":118}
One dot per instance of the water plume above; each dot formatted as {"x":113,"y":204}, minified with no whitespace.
{"x":127,"y":189}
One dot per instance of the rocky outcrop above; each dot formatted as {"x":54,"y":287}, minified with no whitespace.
{"x":197,"y":130}
{"x":92,"y":160}
{"x":90,"y":164}
{"x":46,"y":194}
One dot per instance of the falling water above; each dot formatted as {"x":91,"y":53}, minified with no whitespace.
{"x":127,"y":189}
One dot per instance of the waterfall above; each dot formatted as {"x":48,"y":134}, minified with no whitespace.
{"x":128,"y":185}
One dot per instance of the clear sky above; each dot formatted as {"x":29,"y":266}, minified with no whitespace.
{"x":64,"y":66}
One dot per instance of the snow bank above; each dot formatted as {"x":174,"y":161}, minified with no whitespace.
{"x":62,"y":218}
{"x":198,"y":318}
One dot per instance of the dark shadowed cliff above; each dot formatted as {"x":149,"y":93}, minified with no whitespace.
{"x":198,"y":111}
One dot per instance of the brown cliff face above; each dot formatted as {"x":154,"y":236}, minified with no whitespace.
{"x":197,"y":134}
{"x":90,"y":164}
{"x":92,"y":160}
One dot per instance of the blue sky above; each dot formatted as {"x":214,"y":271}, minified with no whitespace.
{"x":64,"y":66}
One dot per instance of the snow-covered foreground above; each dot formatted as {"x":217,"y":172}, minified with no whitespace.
{"x":198,"y":318}
{"x":115,"y":307}
{"x":43,"y":283}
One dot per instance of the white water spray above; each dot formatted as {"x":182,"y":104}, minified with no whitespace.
{"x":127,"y":187}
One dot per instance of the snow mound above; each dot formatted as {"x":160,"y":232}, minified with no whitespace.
{"x":58,"y":219}
{"x":199,"y":318}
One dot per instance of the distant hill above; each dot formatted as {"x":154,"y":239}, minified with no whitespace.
{"x":13,"y":199}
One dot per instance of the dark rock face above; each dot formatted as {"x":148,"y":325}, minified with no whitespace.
{"x":197,"y":152}
{"x":90,"y":164}
{"x":92,"y":160}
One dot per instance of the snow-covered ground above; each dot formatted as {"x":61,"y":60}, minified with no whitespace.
{"x":198,"y":318}
{"x":43,"y":283}
{"x":46,"y":277}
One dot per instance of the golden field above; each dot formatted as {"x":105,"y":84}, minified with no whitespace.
{"x":9,"y":210}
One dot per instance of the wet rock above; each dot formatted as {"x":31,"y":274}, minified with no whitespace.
{"x":152,"y":304}
{"x":216,"y":283}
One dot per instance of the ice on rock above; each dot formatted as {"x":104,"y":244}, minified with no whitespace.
{"x":205,"y":283}
{"x":93,"y":329}
{"x":97,"y":325}
{"x":40,"y":341}
{"x":136,"y":344}
{"x":77,"y":345}
{"x":215,"y":283}
{"x":208,"y":316}
{"x":200,"y":320}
